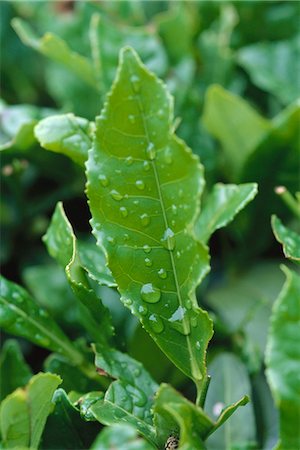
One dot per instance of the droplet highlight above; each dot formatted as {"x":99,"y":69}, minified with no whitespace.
{"x":168,"y":239}
{"x":156,"y":323}
{"x":116,"y":195}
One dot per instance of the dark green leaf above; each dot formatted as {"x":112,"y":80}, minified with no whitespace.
{"x":288,"y":238}
{"x":283,"y":360}
{"x":13,"y":368}
{"x":221,"y":206}
{"x":23,"y":413}
{"x":129,"y":399}
{"x":143,"y":216}
{"x":121,"y":437}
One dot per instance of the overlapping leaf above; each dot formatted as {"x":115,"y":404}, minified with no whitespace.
{"x":144,"y":186}
{"x":122,"y":437}
{"x":288,"y":238}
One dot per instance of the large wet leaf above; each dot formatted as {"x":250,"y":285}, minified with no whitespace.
{"x":144,"y":186}
{"x":221,"y":206}
{"x":129,"y":399}
{"x":288,"y":238}
{"x":121,"y":437}
{"x":283,"y":360}
{"x":23,"y":413}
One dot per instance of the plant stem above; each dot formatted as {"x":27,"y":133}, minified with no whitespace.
{"x":202,"y":388}
{"x":289,"y":200}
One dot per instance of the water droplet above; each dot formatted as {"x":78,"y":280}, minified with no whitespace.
{"x":150,"y":294}
{"x":111,"y":240}
{"x":148,"y":262}
{"x":162,"y":273}
{"x":168,"y":156}
{"x":174,"y":210}
{"x":43,"y":313}
{"x":116,"y":195}
{"x":178,"y":254}
{"x":146,"y":166}
{"x":168,"y":239}
{"x":137,"y":372}
{"x":156,"y":323}
{"x":150,"y":151}
{"x":140,"y":185}
{"x":145,"y":219}
{"x":143,"y":310}
{"x":177,"y":321}
{"x":198,"y":345}
{"x":194,"y":321}
{"x":127,"y":301}
{"x":147,"y":248}
{"x":42,"y":340}
{"x":123,"y":211}
{"x":131,"y":118}
{"x":129,"y":161}
{"x":103,"y":180}
{"x":136,"y":83}
{"x":188,"y":304}
{"x":126,"y":237}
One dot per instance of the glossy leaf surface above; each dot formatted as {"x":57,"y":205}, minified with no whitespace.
{"x":144,"y":186}
{"x":283,"y":360}
{"x":121,"y":437}
{"x":14,"y":370}
{"x":21,"y":316}
{"x":23,"y":413}
{"x":129,"y":399}
{"x":221,"y":206}
{"x":288,"y":238}
{"x":66,"y":134}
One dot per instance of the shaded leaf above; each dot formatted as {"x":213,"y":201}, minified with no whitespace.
{"x":23,"y":413}
{"x":20,"y":315}
{"x":66,"y":134}
{"x":122,"y":437}
{"x":288,"y":238}
{"x":14,"y":370}
{"x":143,"y":217}
{"x":282,"y":360}
{"x":221,"y":206}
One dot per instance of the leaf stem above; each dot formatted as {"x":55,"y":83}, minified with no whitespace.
{"x":202,"y":389}
{"x":289,"y":200}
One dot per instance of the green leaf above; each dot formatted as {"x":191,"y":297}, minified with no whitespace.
{"x":61,"y":243}
{"x":282,"y":360}
{"x":235,"y":124}
{"x":288,"y":238}
{"x":66,"y":134}
{"x":14,"y":369}
{"x":23,"y":413}
{"x":221,"y":206}
{"x":229,"y":382}
{"x":20,"y":315}
{"x":129,"y":399}
{"x":144,"y":216}
{"x":56,"y":49}
{"x":121,"y":437}
{"x":273,"y":67}
{"x":65,"y":428}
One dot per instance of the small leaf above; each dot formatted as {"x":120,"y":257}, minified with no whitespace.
{"x":221,"y":206}
{"x":62,"y":245}
{"x":56,"y":49}
{"x":66,"y":134}
{"x":283,"y":360}
{"x":144,"y":186}
{"x":20,"y":315}
{"x":23,"y":413}
{"x":65,"y":428}
{"x":121,"y":437}
{"x":235,"y":123}
{"x":129,"y":399}
{"x":288,"y":238}
{"x":14,"y":369}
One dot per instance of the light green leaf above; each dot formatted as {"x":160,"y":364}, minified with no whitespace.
{"x":23,"y":413}
{"x":283,"y":360}
{"x":274,"y":67}
{"x":62,"y":245}
{"x":121,"y":437}
{"x":221,"y":206}
{"x":20,"y":315}
{"x":144,"y":186}
{"x":235,"y":124}
{"x":56,"y":49}
{"x":66,"y":134}
{"x":129,"y":399}
{"x":229,"y":382}
{"x":14,"y":369}
{"x":288,"y":238}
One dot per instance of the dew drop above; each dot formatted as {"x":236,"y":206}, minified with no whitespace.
{"x":129,"y":161}
{"x":43,"y":313}
{"x":162,"y":273}
{"x":148,"y":262}
{"x":145,"y":219}
{"x":116,"y":195}
{"x":188,"y":304}
{"x":123,"y":211}
{"x":168,"y":156}
{"x":127,"y":301}
{"x":140,"y":185}
{"x":178,"y":254}
{"x":131,"y":118}
{"x":194,"y":321}
{"x":136,"y":83}
{"x":168,"y":239}
{"x":156,"y":323}
{"x":143,"y":310}
{"x":146,"y":166}
{"x":150,"y":294}
{"x":150,"y":151}
{"x":103,"y":180}
{"x":126,"y":237}
{"x":198,"y":345}
{"x":111,"y":240}
{"x":137,"y":372}
{"x":174,"y":210}
{"x":147,"y":248}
